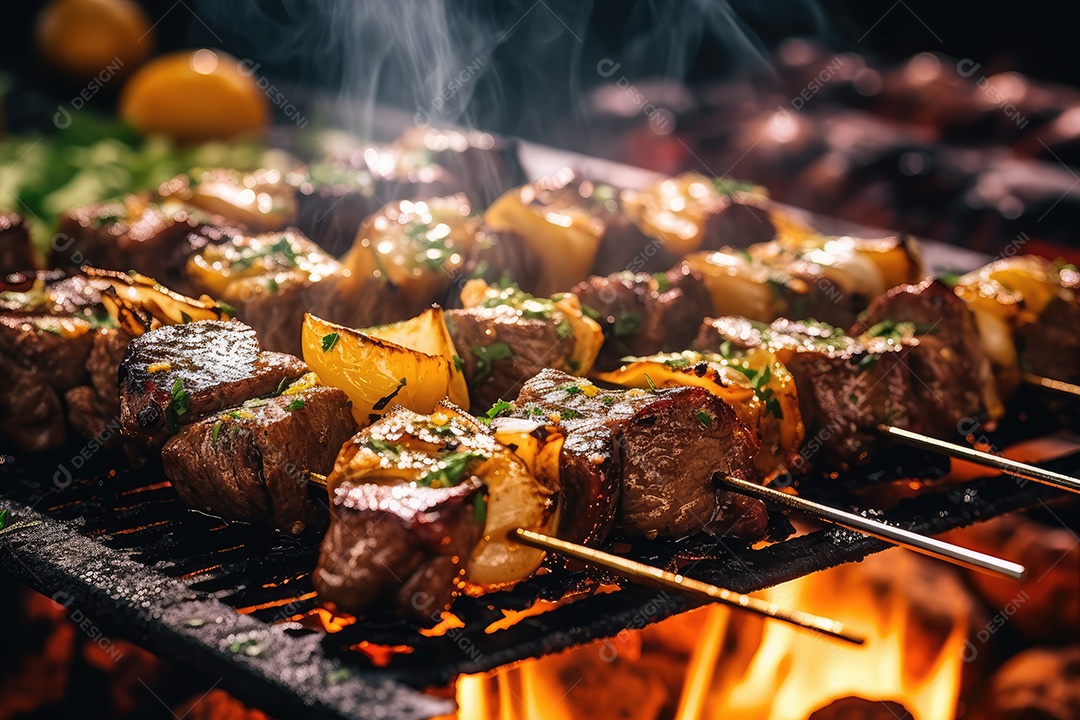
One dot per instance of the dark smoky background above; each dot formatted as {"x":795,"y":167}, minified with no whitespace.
{"x":529,"y":62}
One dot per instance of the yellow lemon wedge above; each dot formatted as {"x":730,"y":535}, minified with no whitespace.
{"x":195,"y":95}
{"x":380,"y":372}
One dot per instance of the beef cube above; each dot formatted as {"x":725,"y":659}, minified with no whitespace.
{"x":16,"y":250}
{"x":484,"y":166}
{"x":156,"y":239}
{"x":505,"y":336}
{"x":94,"y":409}
{"x":650,"y":454}
{"x":401,"y":544}
{"x":178,"y":374}
{"x":642,"y":314}
{"x":271,"y":280}
{"x":252,"y":461}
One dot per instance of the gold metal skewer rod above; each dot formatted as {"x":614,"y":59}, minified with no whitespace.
{"x":655,"y":577}
{"x":1051,"y":384}
{"x":962,"y":452}
{"x":889,"y":533}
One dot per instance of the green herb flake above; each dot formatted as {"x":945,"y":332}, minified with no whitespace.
{"x":480,"y":509}
{"x":5,"y":515}
{"x":486,"y":356}
{"x":626,"y":324}
{"x":392,"y":451}
{"x":450,"y":470}
{"x":228,"y":310}
{"x":608,"y":400}
{"x":704,"y":418}
{"x":459,"y":363}
{"x":650,"y":383}
{"x":329,"y":341}
{"x":564,"y":329}
{"x":177,"y":406}
{"x":495,"y":411}
{"x":295,"y":404}
{"x":215,"y":432}
{"x":272,"y":285}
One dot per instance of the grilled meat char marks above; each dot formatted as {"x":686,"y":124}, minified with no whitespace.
{"x":407,"y":511}
{"x":642,"y":314}
{"x":950,"y":360}
{"x":650,"y":454}
{"x":251,"y":462}
{"x":216,"y":365}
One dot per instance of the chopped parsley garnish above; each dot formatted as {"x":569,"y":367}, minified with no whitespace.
{"x":650,"y":383}
{"x":590,"y":312}
{"x":5,"y":515}
{"x":383,"y":447}
{"x":608,"y":400}
{"x":295,"y":404}
{"x":626,"y":324}
{"x":178,"y":406}
{"x":677,"y":361}
{"x":228,"y":310}
{"x":569,"y":414}
{"x":282,"y":250}
{"x":486,"y":356}
{"x":760,"y":382}
{"x":450,"y":470}
{"x":459,"y":363}
{"x":704,"y":418}
{"x":564,"y":329}
{"x":215,"y":432}
{"x":949,"y":279}
{"x":272,"y":285}
{"x":570,"y":389}
{"x":495,"y":411}
{"x":329,"y":341}
{"x":662,"y":282}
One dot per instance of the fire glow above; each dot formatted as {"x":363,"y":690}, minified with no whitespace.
{"x":741,"y":668}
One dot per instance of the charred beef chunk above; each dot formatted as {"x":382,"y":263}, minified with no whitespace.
{"x":644,"y":314}
{"x":952,"y":362}
{"x":94,"y":408}
{"x":271,"y":280}
{"x":406,"y":257}
{"x":651,"y":454}
{"x":332,"y":202}
{"x":505,"y":336}
{"x":156,"y":239}
{"x":692,"y":212}
{"x":1051,"y":346}
{"x":422,"y":503}
{"x":401,"y":544}
{"x":484,"y":166}
{"x":848,"y":386}
{"x":252,"y":461}
{"x":42,"y":357}
{"x":178,"y":374}
{"x":16,"y":250}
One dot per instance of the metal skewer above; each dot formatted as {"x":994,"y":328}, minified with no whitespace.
{"x":889,"y":533}
{"x":962,"y":452}
{"x":655,"y":577}
{"x":1051,"y":384}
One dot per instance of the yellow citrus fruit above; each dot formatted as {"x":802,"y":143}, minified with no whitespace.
{"x":195,"y":95}
{"x":376,"y":374}
{"x":91,"y":38}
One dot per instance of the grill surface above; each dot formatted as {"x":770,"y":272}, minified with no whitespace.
{"x":236,"y":601}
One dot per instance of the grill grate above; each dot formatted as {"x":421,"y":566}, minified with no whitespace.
{"x":119,"y":546}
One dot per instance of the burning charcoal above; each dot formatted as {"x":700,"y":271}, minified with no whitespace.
{"x":251,"y":462}
{"x":16,"y":251}
{"x":1043,"y":606}
{"x":1037,"y":684}
{"x":857,"y":708}
{"x":644,"y":314}
{"x":653,"y":452}
{"x":178,"y":374}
